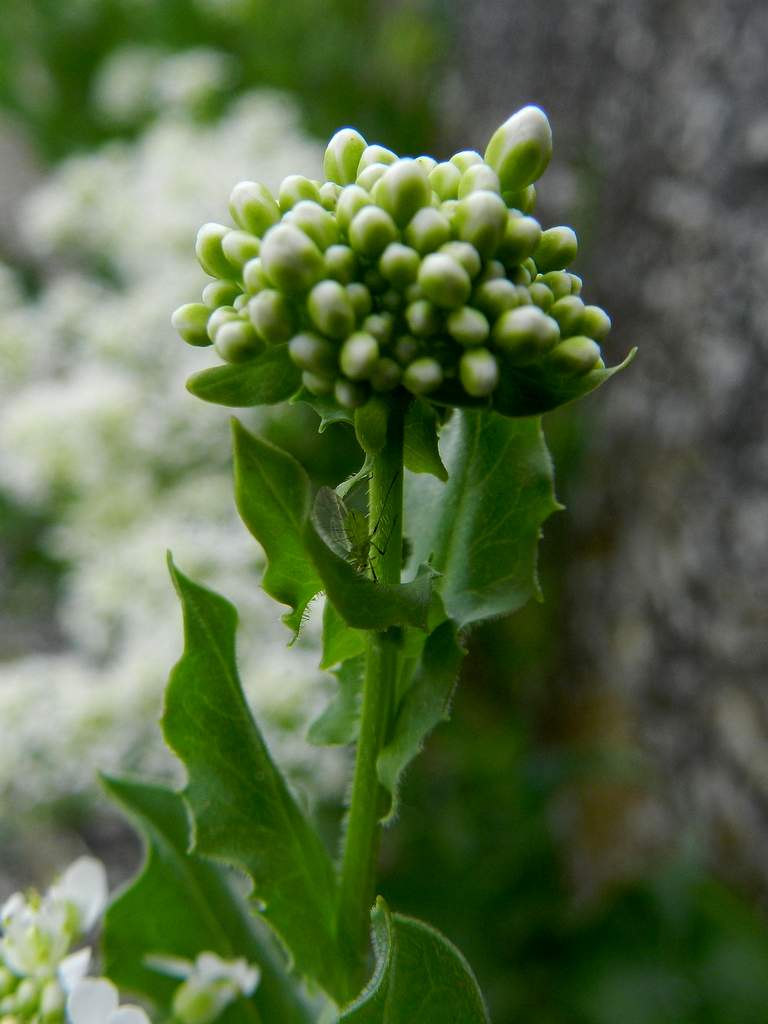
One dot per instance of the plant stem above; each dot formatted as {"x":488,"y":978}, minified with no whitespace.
{"x":367,"y":803}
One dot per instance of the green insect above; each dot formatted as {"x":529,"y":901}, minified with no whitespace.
{"x":344,"y":528}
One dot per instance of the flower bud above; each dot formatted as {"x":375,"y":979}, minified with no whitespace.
{"x":26,"y":997}
{"x":493,"y":270}
{"x":385,"y":375}
{"x":340,"y":263}
{"x":423,"y":376}
{"x":468,"y":326}
{"x":478,"y":372}
{"x":240,"y":302}
{"x":465,"y":254}
{"x":236,"y":341}
{"x":523,"y":295}
{"x":495,"y":297}
{"x":524,"y":201}
{"x":575,"y":356}
{"x":220,"y":293}
{"x":371,"y":231}
{"x":331,"y":310}
{"x":402,"y":190}
{"x":342,"y":156}
{"x":375,"y":155}
{"x":426,"y":163}
{"x":480,"y":219}
{"x":351,"y":200}
{"x":294,"y":189}
{"x":444,"y":180}
{"x":312,"y":353}
{"x":329,"y":195}
{"x":569,"y":313}
{"x":360,"y":297}
{"x":52,"y":1002}
{"x":520,"y":149}
{"x":477,"y":177}
{"x":595,"y":323}
{"x":253,"y":207}
{"x":254,"y":277}
{"x":524,"y":334}
{"x":557,"y":248}
{"x":291,"y":260}
{"x":558,"y":282}
{"x":271,"y":315}
{"x":348,"y":394}
{"x":209,"y":252}
{"x":222,"y":315}
{"x":370,"y":176}
{"x":406,"y":349}
{"x":315,"y":222}
{"x":428,"y":230}
{"x":191,"y":321}
{"x":466,"y":159}
{"x":576,"y":283}
{"x":239,"y":247}
{"x":381,"y":326}
{"x":316,"y":383}
{"x":521,"y":236}
{"x":423,"y":318}
{"x":444,"y":281}
{"x":541,"y":296}
{"x":519,"y":275}
{"x":8,"y":981}
{"x":359,"y":355}
{"x":399,"y":264}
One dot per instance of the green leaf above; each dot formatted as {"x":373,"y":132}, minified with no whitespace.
{"x":481,"y":529}
{"x":426,"y":703}
{"x":339,"y":723}
{"x":371,"y":424}
{"x":180,"y":905}
{"x":243,"y":812}
{"x":327,"y":408}
{"x":273,"y":496}
{"x":340,"y":641}
{"x":266,"y":380}
{"x":420,"y":976}
{"x":420,"y":450}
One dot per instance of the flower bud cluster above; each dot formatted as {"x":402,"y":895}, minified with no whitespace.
{"x":395,"y":272}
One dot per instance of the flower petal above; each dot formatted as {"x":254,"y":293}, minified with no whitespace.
{"x":92,"y":1001}
{"x":83,"y":884}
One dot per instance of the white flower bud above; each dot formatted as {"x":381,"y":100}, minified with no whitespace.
{"x":342,"y":156}
{"x":290,"y":259}
{"x":478,"y":372}
{"x":521,"y":148}
{"x":253,"y":207}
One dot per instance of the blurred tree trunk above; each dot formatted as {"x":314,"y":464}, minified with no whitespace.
{"x":661,"y":162}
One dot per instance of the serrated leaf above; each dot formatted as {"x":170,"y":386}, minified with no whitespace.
{"x":273,"y":496}
{"x":420,"y":449}
{"x":180,"y":905}
{"x":420,"y":976}
{"x":426,"y":703}
{"x":480,"y":530}
{"x":340,"y":641}
{"x":270,"y":378}
{"x":243,"y":812}
{"x":328,"y":409}
{"x":339,"y":723}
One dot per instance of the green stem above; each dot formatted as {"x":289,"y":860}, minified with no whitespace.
{"x":367,"y":803}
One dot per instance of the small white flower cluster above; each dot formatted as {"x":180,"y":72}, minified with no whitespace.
{"x":209,"y":985}
{"x":97,"y":432}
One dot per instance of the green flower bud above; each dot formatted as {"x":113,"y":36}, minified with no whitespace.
{"x":406,"y":349}
{"x":26,"y":997}
{"x":342,"y":156}
{"x":595,"y":322}
{"x":402,"y":190}
{"x":468,"y":326}
{"x":370,"y":176}
{"x":444,"y":281}
{"x":519,"y":275}
{"x":480,"y":219}
{"x":236,"y":341}
{"x":351,"y":200}
{"x":523,"y":295}
{"x":294,"y":189}
{"x":520,"y":149}
{"x":521,"y":236}
{"x":556,"y":249}
{"x":8,"y":981}
{"x":524,"y":201}
{"x":254,"y":277}
{"x":314,"y":354}
{"x":569,"y":313}
{"x":315,"y":222}
{"x":253,"y":207}
{"x":478,"y":372}
{"x":316,"y":383}
{"x":360,"y":297}
{"x":495,"y":297}
{"x":428,"y":230}
{"x":423,"y":376}
{"x":349,"y":395}
{"x":524,"y":334}
{"x":558,"y":282}
{"x":381,"y":326}
{"x":222,"y":315}
{"x":220,"y":293}
{"x":413,"y":292}
{"x":240,"y":302}
{"x":272,"y":316}
{"x":465,"y":159}
{"x":575,"y":356}
{"x":399,"y":264}
{"x":291,"y":260}
{"x":375,"y":155}
{"x":359,"y":355}
{"x":191,"y":321}
{"x":465,"y":254}
{"x":239,"y":247}
{"x":448,"y":208}
{"x":423,"y":318}
{"x":426,"y":163}
{"x":385,"y":375}
{"x":331,"y":310}
{"x":329,"y":195}
{"x":371,"y":231}
{"x":340,"y":263}
{"x":209,"y":252}
{"x":576,"y":283}
{"x":392,"y":300}
{"x":444,"y":180}
{"x":492,"y":270}
{"x":541,"y":296}
{"x":476,"y":177}
{"x":52,"y":1002}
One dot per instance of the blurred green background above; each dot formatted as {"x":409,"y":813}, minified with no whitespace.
{"x":536,"y":830}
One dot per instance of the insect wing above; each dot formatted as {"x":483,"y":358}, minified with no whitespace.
{"x":328,"y":516}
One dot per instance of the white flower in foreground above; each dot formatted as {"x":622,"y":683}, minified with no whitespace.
{"x":210,"y":985}
{"x":95,"y":1001}
{"x":83,"y":886}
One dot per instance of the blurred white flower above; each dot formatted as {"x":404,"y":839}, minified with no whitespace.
{"x":210,"y":984}
{"x":96,"y":1001}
